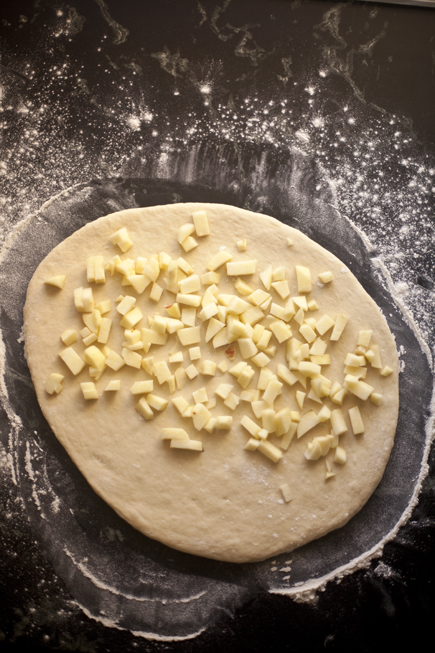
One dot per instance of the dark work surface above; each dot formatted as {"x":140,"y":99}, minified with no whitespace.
{"x":315,"y":112}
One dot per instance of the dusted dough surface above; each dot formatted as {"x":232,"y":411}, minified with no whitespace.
{"x":224,"y":502}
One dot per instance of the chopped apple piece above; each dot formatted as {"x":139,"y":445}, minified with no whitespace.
{"x":72,"y":360}
{"x":200,"y":220}
{"x":376,"y":398}
{"x":224,"y":423}
{"x":307,"y":332}
{"x":189,"y":335}
{"x":89,"y":390}
{"x":358,"y":388}
{"x":252,"y":444}
{"x":58,"y":281}
{"x":273,"y":390}
{"x":303,"y":277}
{"x":159,"y":403}
{"x":122,"y":239}
{"x":324,"y":324}
{"x":184,"y":231}
{"x":281,"y":287}
{"x":354,"y":360}
{"x":340,"y":456}
{"x":313,"y":451}
{"x":364,"y":338}
{"x":68,"y":337}
{"x":142,"y":387}
{"x":200,"y":416}
{"x":261,"y":359}
{"x":340,"y":322}
{"x":356,"y":420}
{"x":300,"y":396}
{"x":269,"y":450}
{"x":338,"y":425}
{"x":113,"y":386}
{"x":307,"y":422}
{"x":169,"y":433}
{"x":218,"y":260}
{"x":187,"y":445}
{"x":326,"y":277}
{"x":286,"y":492}
{"x":144,"y":409}
{"x":131,"y":358}
{"x":242,"y":245}
{"x":386,"y":371}
{"x":126,"y":304}
{"x":191,"y":371}
{"x":241,"y":268}
{"x":54,"y":383}
{"x":266,"y":277}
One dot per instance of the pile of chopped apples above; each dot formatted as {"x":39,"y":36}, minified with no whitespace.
{"x":255,"y":321}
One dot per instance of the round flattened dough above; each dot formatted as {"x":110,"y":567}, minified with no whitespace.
{"x":224,"y":502}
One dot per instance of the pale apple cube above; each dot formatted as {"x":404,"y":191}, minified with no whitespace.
{"x":285,"y":374}
{"x":190,"y":284}
{"x":208,"y":368}
{"x":191,"y":371}
{"x":218,"y":260}
{"x":187,"y":445}
{"x":307,"y":422}
{"x":184,"y":232}
{"x":266,"y":277}
{"x":142,"y":387}
{"x":156,"y":402}
{"x":132,"y":318}
{"x":252,"y":444}
{"x":242,"y":245}
{"x":180,"y":378}
{"x":286,"y":492}
{"x":263,"y":342}
{"x":252,"y":428}
{"x":68,"y":337}
{"x":152,"y":269}
{"x":339,"y":396}
{"x":220,"y":339}
{"x":281,"y":287}
{"x":326,"y":277}
{"x":173,"y":310}
{"x":268,"y":420}
{"x":252,"y":315}
{"x":318,"y":347}
{"x":200,"y":220}
{"x":180,"y":404}
{"x":125,"y":267}
{"x":324,"y":414}
{"x":376,"y":398}
{"x":144,"y":409}
{"x":340,"y":322}
{"x":54,"y":383}
{"x":58,"y":281}
{"x":113,"y":360}
{"x":269,"y":450}
{"x":178,"y":357}
{"x":104,"y":330}
{"x":122,"y":239}
{"x":280,"y":330}
{"x":283,"y":422}
{"x":241,"y":268}
{"x":78,"y":300}
{"x":113,"y":386}
{"x":273,"y":390}
{"x":313,"y":451}
{"x":72,"y":360}
{"x":300,"y":397}
{"x":246,"y":376}
{"x":354,"y":360}
{"x":223,"y":367}
{"x":200,"y":416}
{"x":189,"y":335}
{"x":164,"y":260}
{"x":208,"y":311}
{"x":364,"y":338}
{"x":189,"y":300}
{"x":373,"y":356}
{"x":247,"y":347}
{"x":156,"y":292}
{"x":338,"y":424}
{"x":287,"y":438}
{"x":162,"y":372}
{"x":358,"y":388}
{"x":261,"y":359}
{"x":386,"y":371}
{"x":303,"y":277}
{"x":210,"y":278}
{"x":126,"y":304}
{"x":131,"y":358}
{"x":324,"y":324}
{"x":356,"y":420}
{"x":224,"y":423}
{"x":307,"y":368}
{"x":170,"y":433}
{"x":151,"y":337}
{"x":312,"y":305}
{"x":99,"y":274}
{"x":104,"y":306}
{"x":340,"y":456}
{"x":189,"y":244}
{"x":89,"y":339}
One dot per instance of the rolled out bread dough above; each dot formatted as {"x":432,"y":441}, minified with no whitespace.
{"x":224,"y":502}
